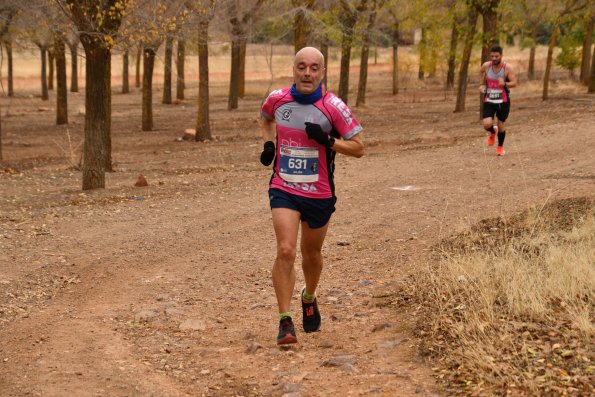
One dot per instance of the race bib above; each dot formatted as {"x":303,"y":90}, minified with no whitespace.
{"x":494,"y":95}
{"x":298,"y":164}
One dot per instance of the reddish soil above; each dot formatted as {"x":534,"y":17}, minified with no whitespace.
{"x":165,"y":290}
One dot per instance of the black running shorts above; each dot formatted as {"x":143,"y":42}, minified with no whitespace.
{"x":317,"y":212}
{"x":500,"y":110}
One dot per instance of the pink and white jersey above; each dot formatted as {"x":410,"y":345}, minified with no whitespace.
{"x":302,"y":166}
{"x":494,"y":91}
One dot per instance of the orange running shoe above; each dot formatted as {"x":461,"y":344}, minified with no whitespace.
{"x":492,"y":136}
{"x":500,"y":151}
{"x":491,"y":139}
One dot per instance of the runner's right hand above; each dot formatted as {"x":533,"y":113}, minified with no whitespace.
{"x":268,"y":153}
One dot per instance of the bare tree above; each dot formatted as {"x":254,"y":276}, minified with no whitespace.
{"x":180,"y":62}
{"x":239,"y":20}
{"x":61,"y":89}
{"x":167,"y":75}
{"x":348,"y":18}
{"x":586,"y":56}
{"x":7,"y":13}
{"x":366,"y":36}
{"x":301,"y":27}
{"x":464,"y":68}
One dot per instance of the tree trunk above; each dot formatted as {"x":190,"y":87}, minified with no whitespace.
{"x":138,"y":58}
{"x":203,"y":130}
{"x":148,"y":65}
{"x":44,"y":80}
{"x":586,"y":59}
{"x":74,"y":77}
{"x":548,"y":64}
{"x":180,"y":72}
{"x":396,"y":58}
{"x":531,"y":71}
{"x":592,"y":78}
{"x":363,"y":71}
{"x":242,"y":76}
{"x":51,"y":63}
{"x":169,"y":50}
{"x":422,"y":54}
{"x":232,"y":102}
{"x":61,"y":88}
{"x":1,"y":158}
{"x":125,"y":77}
{"x":490,"y":37}
{"x":464,"y":68}
{"x":490,"y":29}
{"x":97,"y":113}
{"x":452,"y":54}
{"x":301,"y":30}
{"x":8,"y":45}
{"x":324,"y":51}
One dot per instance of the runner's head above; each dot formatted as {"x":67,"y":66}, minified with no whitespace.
{"x":308,"y":70}
{"x":496,"y":54}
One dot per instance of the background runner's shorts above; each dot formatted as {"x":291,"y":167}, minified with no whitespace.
{"x":317,"y":212}
{"x":501,"y":110}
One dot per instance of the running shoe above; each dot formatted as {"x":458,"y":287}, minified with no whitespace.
{"x":492,"y":136}
{"x":500,"y":151}
{"x":311,"y":315}
{"x":286,"y":332}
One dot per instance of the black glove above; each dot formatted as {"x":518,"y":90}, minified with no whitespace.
{"x":316,"y":133}
{"x":268,"y":153}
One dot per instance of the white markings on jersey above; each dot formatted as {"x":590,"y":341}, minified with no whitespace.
{"x":342,"y":108}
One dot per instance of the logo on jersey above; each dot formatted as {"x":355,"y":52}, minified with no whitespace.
{"x":286,"y":115}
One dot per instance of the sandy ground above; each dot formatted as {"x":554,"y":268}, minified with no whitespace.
{"x":165,"y":290}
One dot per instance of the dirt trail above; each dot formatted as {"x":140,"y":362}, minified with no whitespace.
{"x":166,"y":290}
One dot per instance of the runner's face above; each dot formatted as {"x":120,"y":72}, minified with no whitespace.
{"x":308,"y":71}
{"x":496,"y":58}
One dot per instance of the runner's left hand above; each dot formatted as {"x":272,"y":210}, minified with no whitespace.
{"x":316,"y":133}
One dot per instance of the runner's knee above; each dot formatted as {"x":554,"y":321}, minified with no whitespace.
{"x":286,"y":252}
{"x":487,"y":124}
{"x":310,"y":255}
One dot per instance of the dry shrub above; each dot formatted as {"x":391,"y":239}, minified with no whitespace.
{"x":509,"y":306}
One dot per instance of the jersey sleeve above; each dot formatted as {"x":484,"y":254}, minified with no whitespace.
{"x":268,"y":107}
{"x":343,"y":120}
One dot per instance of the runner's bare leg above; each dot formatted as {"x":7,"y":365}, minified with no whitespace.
{"x":286,"y":223}
{"x":311,"y":247}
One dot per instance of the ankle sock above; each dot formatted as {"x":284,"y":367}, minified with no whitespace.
{"x":491,"y":130}
{"x":308,"y":298}
{"x":284,"y":315}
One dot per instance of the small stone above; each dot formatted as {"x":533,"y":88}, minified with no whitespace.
{"x":364,"y":283}
{"x":325,"y":344}
{"x":338,"y":361}
{"x":189,"y":134}
{"x":380,"y":327}
{"x":141,"y":181}
{"x":162,"y":297}
{"x":193,"y":325}
{"x":248,"y":335}
{"x":343,"y":243}
{"x":172,"y":311}
{"x":252,"y":347}
{"x":348,"y":368}
{"x":145,"y":315}
{"x":388,"y":344}
{"x":418,"y":390}
{"x":205,"y":372}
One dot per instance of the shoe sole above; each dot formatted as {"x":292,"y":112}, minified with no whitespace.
{"x":287,"y":340}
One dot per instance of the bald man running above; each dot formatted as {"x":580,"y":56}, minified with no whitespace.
{"x":304,"y":127}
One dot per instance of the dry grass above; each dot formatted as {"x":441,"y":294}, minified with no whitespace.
{"x":509,"y":306}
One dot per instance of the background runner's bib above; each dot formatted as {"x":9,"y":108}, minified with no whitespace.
{"x":494,"y":95}
{"x":298,"y":164}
